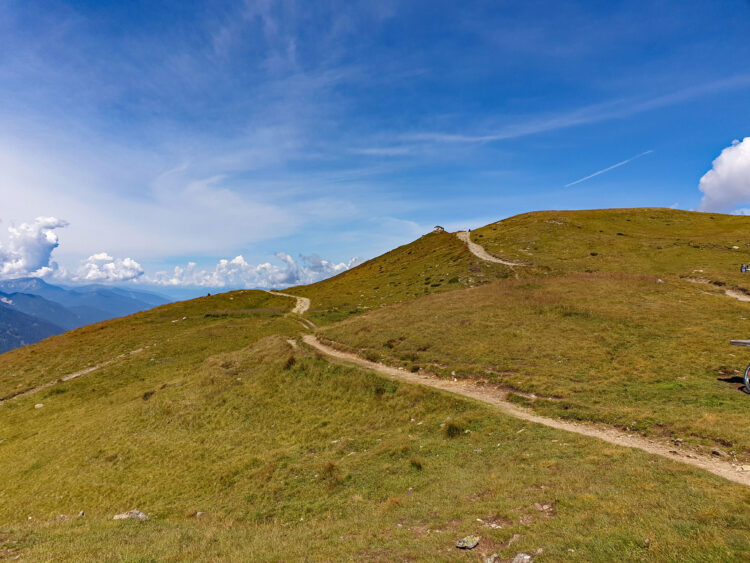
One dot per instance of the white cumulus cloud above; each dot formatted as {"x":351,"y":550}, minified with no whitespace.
{"x":727,"y":184}
{"x":29,"y":253}
{"x":239,"y":273}
{"x":30,"y":247}
{"x":102,"y":267}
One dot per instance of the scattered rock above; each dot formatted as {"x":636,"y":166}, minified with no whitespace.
{"x":469,"y":542}
{"x":659,"y":281}
{"x":491,"y":559}
{"x":199,"y":514}
{"x":545,"y":508}
{"x":743,"y":468}
{"x":132,"y":514}
{"x":38,"y":405}
{"x":522,"y":558}
{"x":677,"y":441}
{"x":719,"y":453}
{"x":81,"y":513}
{"x":490,"y":524}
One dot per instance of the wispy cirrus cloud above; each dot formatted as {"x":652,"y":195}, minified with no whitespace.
{"x":608,"y":168}
{"x":385,"y":151}
{"x":594,"y":113}
{"x":228,"y":128}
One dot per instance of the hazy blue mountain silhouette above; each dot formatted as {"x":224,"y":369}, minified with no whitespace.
{"x":19,"y":329}
{"x":33,"y":309}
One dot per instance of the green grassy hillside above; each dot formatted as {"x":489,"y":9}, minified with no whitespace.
{"x":219,"y":320}
{"x":242,"y":444}
{"x":287,"y":457}
{"x":615,"y":348}
{"x":434,"y":263}
{"x":643,"y":241}
{"x":604,"y":324}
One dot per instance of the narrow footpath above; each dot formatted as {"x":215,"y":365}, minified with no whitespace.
{"x":498,"y":398}
{"x":303,"y":303}
{"x":300,"y":308}
{"x":480,"y":252}
{"x":70,"y":376}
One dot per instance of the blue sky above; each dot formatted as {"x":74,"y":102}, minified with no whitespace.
{"x":176,"y":132}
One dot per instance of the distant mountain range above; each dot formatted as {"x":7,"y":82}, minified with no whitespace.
{"x":32,"y":309}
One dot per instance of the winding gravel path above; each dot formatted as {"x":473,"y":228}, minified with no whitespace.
{"x":303,"y":303}
{"x":498,"y":398}
{"x":480,"y":252}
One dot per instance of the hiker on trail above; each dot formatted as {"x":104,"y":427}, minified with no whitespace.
{"x":743,"y":268}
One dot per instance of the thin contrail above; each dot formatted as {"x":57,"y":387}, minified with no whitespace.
{"x":602,"y":171}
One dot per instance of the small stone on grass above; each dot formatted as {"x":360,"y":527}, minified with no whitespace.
{"x":469,"y":542}
{"x":132,"y":514}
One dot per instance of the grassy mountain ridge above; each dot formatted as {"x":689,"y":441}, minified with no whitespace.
{"x":434,"y":263}
{"x":289,"y":457}
{"x":604,"y":321}
{"x":653,"y":241}
{"x":208,"y":318}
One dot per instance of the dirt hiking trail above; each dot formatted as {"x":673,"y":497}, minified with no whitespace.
{"x":70,"y":376}
{"x":480,"y":252}
{"x":498,"y":398}
{"x":300,"y":308}
{"x":303,"y":303}
{"x":733,"y":293}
